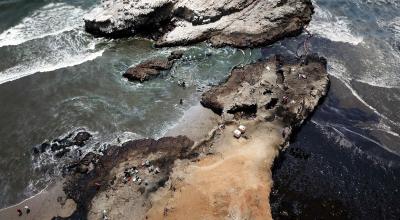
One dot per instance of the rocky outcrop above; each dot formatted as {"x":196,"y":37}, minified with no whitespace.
{"x":260,"y":104}
{"x":151,"y":160}
{"x":152,"y":68}
{"x":158,"y":179}
{"x":61,"y":146}
{"x":127,"y":17}
{"x":273,"y":88}
{"x":238,"y":23}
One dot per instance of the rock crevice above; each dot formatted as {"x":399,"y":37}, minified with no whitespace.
{"x":238,"y":23}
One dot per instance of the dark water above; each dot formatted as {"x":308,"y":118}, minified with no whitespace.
{"x":55,"y":78}
{"x":344,"y":163}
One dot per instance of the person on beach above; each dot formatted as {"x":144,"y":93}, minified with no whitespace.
{"x":27,"y":209}
{"x":19,"y":212}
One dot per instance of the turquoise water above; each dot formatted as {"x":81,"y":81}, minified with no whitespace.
{"x":55,"y":78}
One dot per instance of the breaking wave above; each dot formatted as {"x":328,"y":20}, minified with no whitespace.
{"x":334,"y":28}
{"x":23,"y":70}
{"x":49,"y":39}
{"x":339,"y":71}
{"x":50,"y":20}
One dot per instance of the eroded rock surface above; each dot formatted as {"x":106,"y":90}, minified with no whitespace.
{"x":106,"y":181}
{"x":151,"y":68}
{"x":219,"y":177}
{"x":276,"y":87}
{"x":270,"y":98}
{"x":63,"y":145}
{"x":239,"y":23}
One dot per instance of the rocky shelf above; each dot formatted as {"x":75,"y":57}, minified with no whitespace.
{"x":238,"y":23}
{"x":219,"y":176}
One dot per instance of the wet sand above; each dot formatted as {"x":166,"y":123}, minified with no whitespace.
{"x":215,"y":175}
{"x":196,"y":123}
{"x":45,"y":205}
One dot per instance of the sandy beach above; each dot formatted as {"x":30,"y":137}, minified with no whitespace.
{"x":232,"y":183}
{"x":45,"y":205}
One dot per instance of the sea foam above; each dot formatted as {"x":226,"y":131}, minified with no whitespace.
{"x":334,"y":28}
{"x":52,"y":19}
{"x":23,"y":70}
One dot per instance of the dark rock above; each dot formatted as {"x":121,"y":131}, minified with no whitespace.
{"x":65,"y":143}
{"x":152,"y":68}
{"x":36,"y":150}
{"x":82,"y":168}
{"x":257,"y":88}
{"x":41,"y":148}
{"x":147,"y":70}
{"x":81,"y":138}
{"x":89,"y":157}
{"x":62,"y":152}
{"x":56,"y":146}
{"x":175,"y":55}
{"x":80,"y":186}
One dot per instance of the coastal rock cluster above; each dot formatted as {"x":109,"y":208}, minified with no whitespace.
{"x":227,"y":172}
{"x":275,"y":88}
{"x":158,"y":179}
{"x":238,"y":23}
{"x":108,"y":179}
{"x":61,"y":146}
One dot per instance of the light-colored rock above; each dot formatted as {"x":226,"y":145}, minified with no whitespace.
{"x":239,"y":23}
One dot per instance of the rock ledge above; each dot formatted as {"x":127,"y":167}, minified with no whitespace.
{"x":238,"y":23}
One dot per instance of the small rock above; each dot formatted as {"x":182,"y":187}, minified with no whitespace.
{"x":44,"y":146}
{"x":177,"y":54}
{"x":82,"y":169}
{"x":81,"y":138}
{"x":56,"y":147}
{"x":62,"y":152}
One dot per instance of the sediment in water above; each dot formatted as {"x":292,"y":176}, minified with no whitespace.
{"x":217,"y":176}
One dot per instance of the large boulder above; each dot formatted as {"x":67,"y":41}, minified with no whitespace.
{"x":239,"y":23}
{"x":151,"y":68}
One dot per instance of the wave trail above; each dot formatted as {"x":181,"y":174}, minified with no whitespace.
{"x":52,"y":19}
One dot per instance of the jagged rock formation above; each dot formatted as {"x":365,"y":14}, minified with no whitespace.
{"x":61,"y":146}
{"x":277,"y":87}
{"x":270,"y":98}
{"x":238,"y":23}
{"x":215,"y":178}
{"x":100,"y":183}
{"x":151,"y":68}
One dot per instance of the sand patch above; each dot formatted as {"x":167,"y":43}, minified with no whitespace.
{"x":234,"y":183}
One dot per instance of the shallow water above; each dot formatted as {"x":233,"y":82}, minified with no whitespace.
{"x":56,"y":78}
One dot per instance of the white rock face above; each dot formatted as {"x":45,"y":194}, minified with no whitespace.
{"x":239,"y":23}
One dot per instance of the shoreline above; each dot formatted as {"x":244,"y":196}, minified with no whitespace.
{"x":55,"y":189}
{"x":208,"y":172}
{"x":48,"y":203}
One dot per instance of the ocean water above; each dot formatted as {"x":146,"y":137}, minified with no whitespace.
{"x":344,"y":162}
{"x":55,"y":78}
